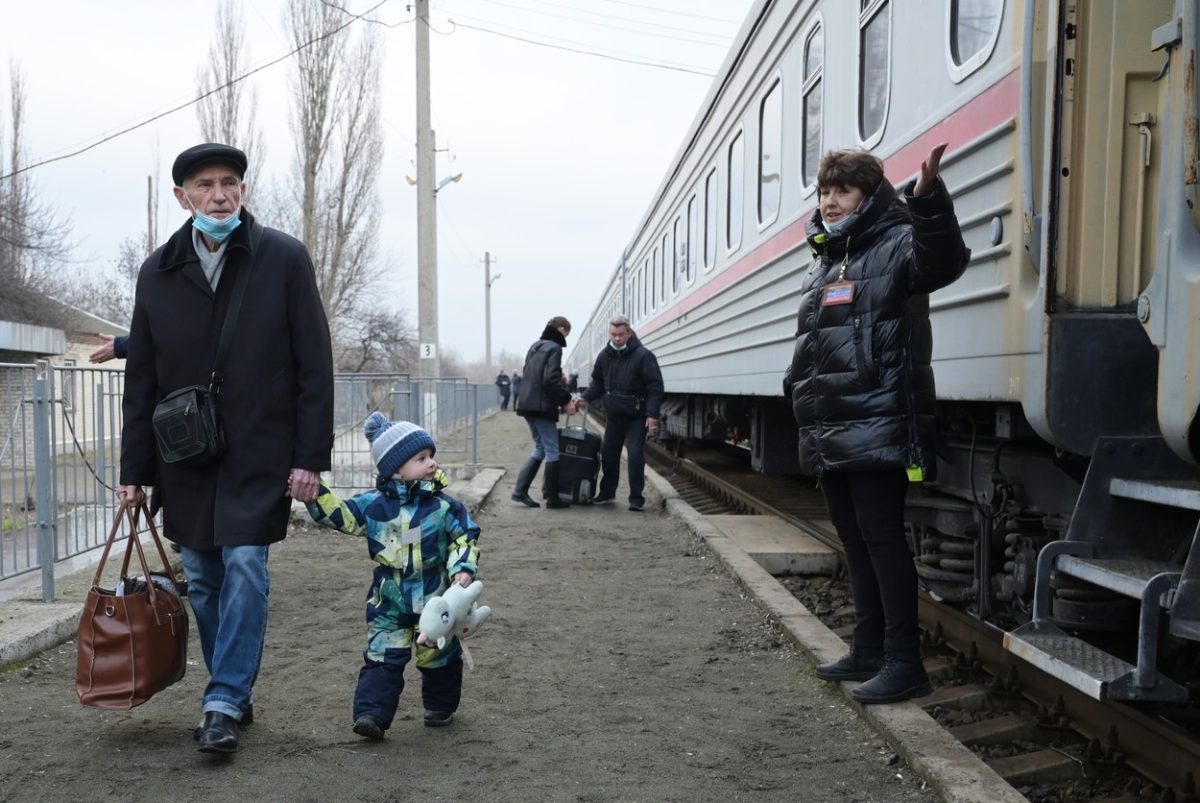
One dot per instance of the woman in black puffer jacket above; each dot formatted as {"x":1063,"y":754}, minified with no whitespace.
{"x":543,"y":394}
{"x":862,"y":392}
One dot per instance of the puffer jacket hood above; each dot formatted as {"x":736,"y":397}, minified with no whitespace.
{"x":860,"y":380}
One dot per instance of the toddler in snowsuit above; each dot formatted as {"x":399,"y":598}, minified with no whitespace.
{"x":423,"y":540}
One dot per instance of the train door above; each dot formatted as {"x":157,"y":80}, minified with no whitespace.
{"x":1102,"y":370}
{"x":1111,"y":108}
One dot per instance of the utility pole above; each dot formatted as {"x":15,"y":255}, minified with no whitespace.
{"x":427,"y":298}
{"x":488,"y":278}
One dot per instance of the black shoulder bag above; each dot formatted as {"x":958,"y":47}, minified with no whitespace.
{"x":187,"y":422}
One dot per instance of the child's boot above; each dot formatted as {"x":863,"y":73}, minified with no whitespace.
{"x":368,"y":727}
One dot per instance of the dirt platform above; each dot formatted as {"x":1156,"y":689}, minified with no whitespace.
{"x":621,"y":664}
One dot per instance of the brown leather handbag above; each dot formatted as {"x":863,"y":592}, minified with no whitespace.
{"x":133,"y":639}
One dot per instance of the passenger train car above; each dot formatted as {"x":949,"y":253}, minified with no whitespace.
{"x":1067,"y":357}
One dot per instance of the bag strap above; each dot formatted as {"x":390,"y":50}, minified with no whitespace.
{"x":135,"y":516}
{"x":231,"y":312}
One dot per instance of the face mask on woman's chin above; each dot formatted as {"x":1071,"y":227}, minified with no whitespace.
{"x":839,"y":225}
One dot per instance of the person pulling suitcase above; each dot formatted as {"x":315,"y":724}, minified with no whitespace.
{"x":543,"y":395}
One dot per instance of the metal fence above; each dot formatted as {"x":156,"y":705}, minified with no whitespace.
{"x":60,"y":435}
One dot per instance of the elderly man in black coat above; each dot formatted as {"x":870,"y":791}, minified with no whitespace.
{"x":275,"y":402}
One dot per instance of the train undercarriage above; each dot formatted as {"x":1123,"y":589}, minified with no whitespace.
{"x":1091,"y":565}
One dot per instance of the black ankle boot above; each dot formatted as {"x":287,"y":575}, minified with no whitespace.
{"x":524,"y":480}
{"x":554,"y":500}
{"x":861,"y":663}
{"x":902,"y":678}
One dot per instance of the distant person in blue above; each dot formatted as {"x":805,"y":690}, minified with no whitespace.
{"x":862,"y":392}
{"x":516,"y":389}
{"x":114,"y":347}
{"x":423,"y":541}
{"x":504,"y":384}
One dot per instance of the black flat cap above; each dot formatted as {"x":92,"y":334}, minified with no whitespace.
{"x":197,"y":156}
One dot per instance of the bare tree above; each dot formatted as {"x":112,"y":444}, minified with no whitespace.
{"x":109,"y":293}
{"x":224,"y":116}
{"x":339,"y":145}
{"x":33,"y":238}
{"x":381,"y":340}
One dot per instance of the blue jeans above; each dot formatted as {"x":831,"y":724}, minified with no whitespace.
{"x":228,"y":591}
{"x":545,"y":439}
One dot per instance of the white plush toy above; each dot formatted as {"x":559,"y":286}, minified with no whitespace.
{"x":454,"y":614}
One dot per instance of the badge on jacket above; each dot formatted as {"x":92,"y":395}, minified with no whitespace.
{"x":839,"y":292}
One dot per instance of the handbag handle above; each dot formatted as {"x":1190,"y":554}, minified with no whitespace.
{"x":136,"y":514}
{"x":127,"y":512}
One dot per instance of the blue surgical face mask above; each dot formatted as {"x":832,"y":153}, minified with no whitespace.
{"x":218,"y":230}
{"x":621,"y":347}
{"x":837,"y":227}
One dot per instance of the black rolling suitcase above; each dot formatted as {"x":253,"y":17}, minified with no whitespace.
{"x":579,"y":456}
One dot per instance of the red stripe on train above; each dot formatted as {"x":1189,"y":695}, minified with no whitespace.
{"x":983,"y":113}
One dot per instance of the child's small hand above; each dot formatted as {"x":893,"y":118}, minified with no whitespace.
{"x":464,"y":579}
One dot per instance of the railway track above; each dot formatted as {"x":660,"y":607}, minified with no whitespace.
{"x":1045,"y":738}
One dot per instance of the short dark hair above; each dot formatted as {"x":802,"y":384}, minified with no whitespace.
{"x":851,"y":167}
{"x":558,"y":322}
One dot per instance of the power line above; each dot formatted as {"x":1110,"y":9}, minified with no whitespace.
{"x":646,"y":7}
{"x":582,"y":51}
{"x":191,"y":102}
{"x":362,"y":17}
{"x":621,"y":27}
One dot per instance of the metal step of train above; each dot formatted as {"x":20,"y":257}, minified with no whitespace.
{"x":1093,"y":671}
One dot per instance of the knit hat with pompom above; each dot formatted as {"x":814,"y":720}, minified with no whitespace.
{"x":393,"y":443}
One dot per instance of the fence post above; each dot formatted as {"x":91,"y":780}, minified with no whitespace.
{"x":474,"y":424}
{"x":43,"y":478}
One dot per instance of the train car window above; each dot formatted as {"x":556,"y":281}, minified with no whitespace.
{"x":972,"y":28}
{"x":680,"y":261}
{"x":874,"y":59}
{"x":710,"y":219}
{"x":643,"y":280}
{"x":770,"y":153}
{"x":658,"y":271}
{"x":693,"y":238}
{"x":814,"y":61}
{"x":668,"y":257}
{"x":653,"y":292}
{"x":735,"y":192}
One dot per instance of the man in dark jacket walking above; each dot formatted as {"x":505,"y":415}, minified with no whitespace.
{"x":862,"y":393}
{"x":543,"y":394}
{"x":626,"y":375}
{"x":504,"y":384}
{"x":275,"y":401}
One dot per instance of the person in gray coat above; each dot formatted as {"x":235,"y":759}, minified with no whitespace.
{"x":275,"y":400}
{"x":862,"y":392}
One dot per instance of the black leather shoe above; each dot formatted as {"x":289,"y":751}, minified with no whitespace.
{"x":525,"y":499}
{"x":637,"y":506}
{"x":903,"y":677}
{"x":220,"y":733}
{"x":247,"y":719}
{"x":859,"y":664}
{"x":602,"y":499}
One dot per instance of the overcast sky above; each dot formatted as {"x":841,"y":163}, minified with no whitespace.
{"x":560,"y":152}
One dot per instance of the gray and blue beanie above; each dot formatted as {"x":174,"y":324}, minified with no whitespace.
{"x":393,"y":443}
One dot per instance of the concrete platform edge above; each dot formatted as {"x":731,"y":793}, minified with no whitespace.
{"x":957,"y":774}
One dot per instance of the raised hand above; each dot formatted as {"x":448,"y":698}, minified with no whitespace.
{"x":929,"y":170}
